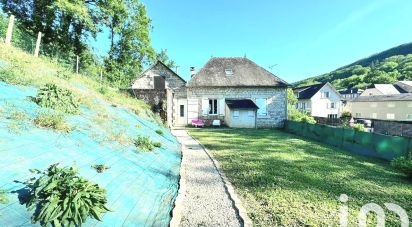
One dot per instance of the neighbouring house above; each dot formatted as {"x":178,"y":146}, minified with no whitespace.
{"x":237,"y":92}
{"x":404,"y":86}
{"x":159,"y":86}
{"x":380,"y":89}
{"x":319,"y":100}
{"x":350,"y":94}
{"x":396,"y":107}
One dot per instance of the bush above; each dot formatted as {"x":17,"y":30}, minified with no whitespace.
{"x":59,"y":197}
{"x":145,"y":144}
{"x":403,"y":164}
{"x":52,"y":121}
{"x":51,"y":96}
{"x":100,"y":168}
{"x":359,"y":127}
{"x":296,"y":115}
{"x":160,"y":132}
{"x":3,"y":197}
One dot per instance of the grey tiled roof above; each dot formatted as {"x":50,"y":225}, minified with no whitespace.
{"x":246,"y":73}
{"x":382,"y":98}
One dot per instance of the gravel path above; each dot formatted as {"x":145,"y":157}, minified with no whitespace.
{"x":205,"y":201}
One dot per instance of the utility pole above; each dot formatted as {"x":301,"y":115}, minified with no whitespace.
{"x":9,"y":30}
{"x":36,"y":51}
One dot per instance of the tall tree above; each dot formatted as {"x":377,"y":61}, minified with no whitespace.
{"x":163,"y":57}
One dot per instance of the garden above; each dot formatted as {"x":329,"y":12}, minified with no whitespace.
{"x":287,"y":180}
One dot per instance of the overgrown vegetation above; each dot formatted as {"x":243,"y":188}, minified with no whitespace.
{"x":100,"y":168}
{"x":386,"y":67}
{"x":159,"y":131}
{"x":404,"y":164}
{"x":53,"y":121}
{"x":293,"y":113}
{"x":3,"y":197}
{"x":359,"y":127}
{"x":60,"y":197}
{"x":144,"y":143}
{"x":286,"y":180}
{"x":54,"y":97}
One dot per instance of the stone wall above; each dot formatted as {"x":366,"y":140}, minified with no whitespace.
{"x":276,"y":109}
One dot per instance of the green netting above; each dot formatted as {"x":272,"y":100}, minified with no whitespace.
{"x":374,"y":145}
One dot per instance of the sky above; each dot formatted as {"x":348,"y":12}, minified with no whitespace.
{"x":293,"y":39}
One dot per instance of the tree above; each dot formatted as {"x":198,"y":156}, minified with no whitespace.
{"x":163,"y":57}
{"x":131,"y":49}
{"x":293,"y":113}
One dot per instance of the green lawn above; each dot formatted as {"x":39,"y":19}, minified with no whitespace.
{"x":286,"y":180}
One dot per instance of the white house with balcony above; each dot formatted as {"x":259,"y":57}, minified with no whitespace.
{"x":319,"y":100}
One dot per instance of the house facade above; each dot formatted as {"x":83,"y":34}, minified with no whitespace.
{"x":350,"y":94}
{"x":225,"y":88}
{"x":319,"y":100}
{"x":160,"y":87}
{"x":383,"y":107}
{"x":380,"y":89}
{"x":235,"y":91}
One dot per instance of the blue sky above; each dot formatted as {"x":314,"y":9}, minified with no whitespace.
{"x":298,"y":38}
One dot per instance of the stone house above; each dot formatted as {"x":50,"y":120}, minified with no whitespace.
{"x":235,"y":91}
{"x":238,"y":92}
{"x":159,"y":86}
{"x":319,"y":100}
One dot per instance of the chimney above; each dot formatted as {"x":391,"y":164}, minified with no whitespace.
{"x":192,"y":71}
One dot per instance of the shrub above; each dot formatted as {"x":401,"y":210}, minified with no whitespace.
{"x":157,"y":144}
{"x":403,"y":164}
{"x":145,"y":144}
{"x":359,"y":127}
{"x":52,"y":121}
{"x":100,"y":168}
{"x":3,"y":197}
{"x":59,"y":197}
{"x":160,"y":132}
{"x":345,"y":117}
{"x":51,"y":96}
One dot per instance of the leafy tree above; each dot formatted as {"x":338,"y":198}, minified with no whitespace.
{"x":163,"y":57}
{"x":293,"y":113}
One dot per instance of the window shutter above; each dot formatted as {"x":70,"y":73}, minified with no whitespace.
{"x":205,"y":107}
{"x":221,"y":107}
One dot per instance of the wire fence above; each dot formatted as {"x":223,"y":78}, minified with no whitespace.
{"x":25,"y":40}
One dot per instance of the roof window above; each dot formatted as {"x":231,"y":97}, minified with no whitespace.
{"x":228,"y":72}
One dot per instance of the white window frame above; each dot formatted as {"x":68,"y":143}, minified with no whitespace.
{"x":229,"y":72}
{"x":358,"y":114}
{"x":409,"y":116}
{"x":391,"y":105}
{"x":390,"y":116}
{"x":265,"y":105}
{"x":324,"y":94}
{"x":374,"y":115}
{"x":213,"y":107}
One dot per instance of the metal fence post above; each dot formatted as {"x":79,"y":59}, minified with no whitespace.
{"x":9,"y":30}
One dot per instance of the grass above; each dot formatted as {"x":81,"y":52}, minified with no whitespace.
{"x":3,"y":197}
{"x":20,"y":68}
{"x":52,"y":121}
{"x":145,"y":144}
{"x":286,"y":180}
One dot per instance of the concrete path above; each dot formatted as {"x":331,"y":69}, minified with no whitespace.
{"x":203,"y":198}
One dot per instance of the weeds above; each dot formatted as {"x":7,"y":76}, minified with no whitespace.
{"x":160,"y":132}
{"x":144,"y":143}
{"x":100,"y":168}
{"x":51,"y":96}
{"x":3,"y":197}
{"x":52,"y":121}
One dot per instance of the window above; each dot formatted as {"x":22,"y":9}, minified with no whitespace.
{"x":374,"y":115}
{"x":262,"y":104}
{"x":391,"y":105}
{"x":212,"y":106}
{"x":236,"y":113}
{"x":410,"y":104}
{"x":182,"y":110}
{"x":409,"y":116}
{"x":373,"y":105}
{"x":228,"y":72}
{"x":324,"y":94}
{"x":250,"y":113}
{"x":390,"y":116}
{"x":332,"y":105}
{"x":358,"y":114}
{"x":303,"y":105}
{"x":332,"y":116}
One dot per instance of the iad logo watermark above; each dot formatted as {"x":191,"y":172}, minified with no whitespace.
{"x":371,"y":207}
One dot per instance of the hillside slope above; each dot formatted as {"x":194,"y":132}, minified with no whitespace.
{"x":141,"y":186}
{"x":385,"y":67}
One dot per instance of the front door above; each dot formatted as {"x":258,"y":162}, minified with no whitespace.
{"x":181,"y":112}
